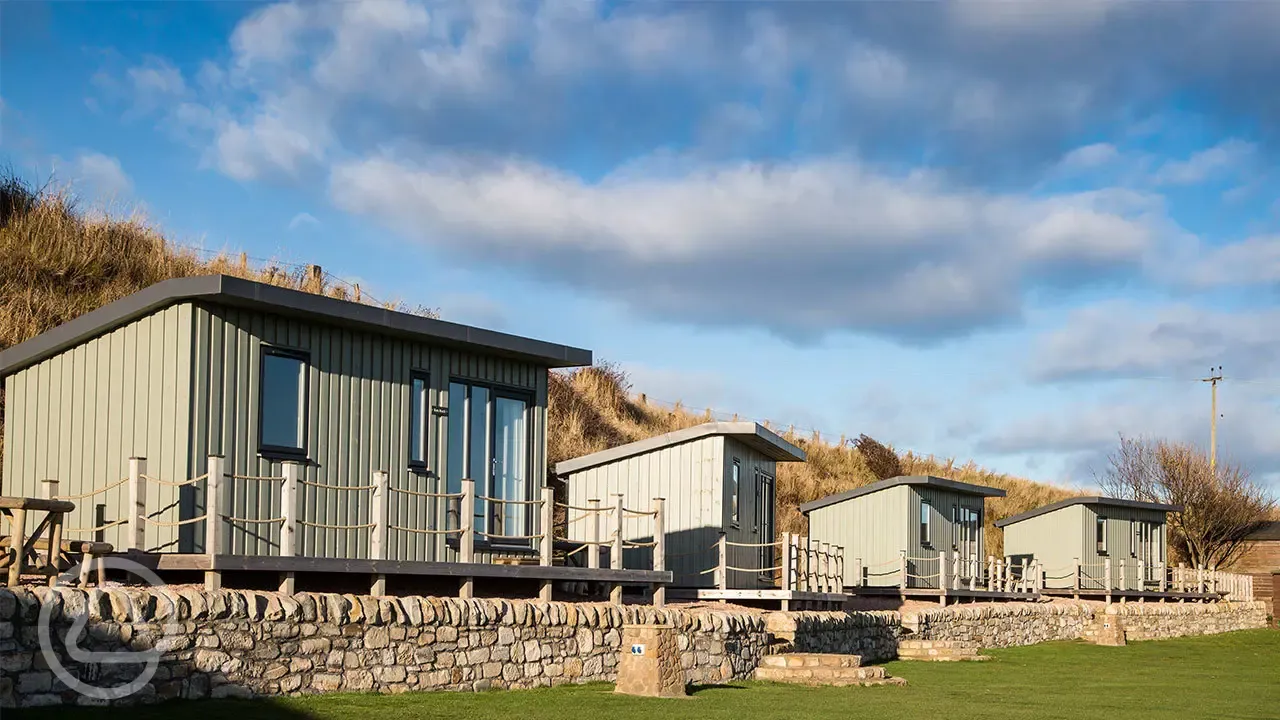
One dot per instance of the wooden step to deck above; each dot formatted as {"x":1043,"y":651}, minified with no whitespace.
{"x":822,"y":669}
{"x":938,"y":650}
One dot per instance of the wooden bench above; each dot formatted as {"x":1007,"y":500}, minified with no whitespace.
{"x":22,"y":546}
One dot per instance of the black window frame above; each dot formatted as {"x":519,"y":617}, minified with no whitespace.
{"x":1100,"y":524}
{"x":280,"y":452}
{"x":926,"y":524}
{"x":422,"y":466}
{"x":496,"y":390}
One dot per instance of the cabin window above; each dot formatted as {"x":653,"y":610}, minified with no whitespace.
{"x":955,"y":527}
{"x":1101,"y":535}
{"x":925,"y":515}
{"x":735,"y":491}
{"x":282,"y":404}
{"x":419,"y":412}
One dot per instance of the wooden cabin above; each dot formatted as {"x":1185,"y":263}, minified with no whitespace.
{"x":258,"y":428}
{"x":1126,"y":538}
{"x":906,"y":532}
{"x":718,"y":480}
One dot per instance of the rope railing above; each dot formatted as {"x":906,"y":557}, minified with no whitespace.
{"x":500,"y":536}
{"x":579,"y":508}
{"x":253,"y":521}
{"x":753,"y":545}
{"x":97,"y":528}
{"x":639,"y":513}
{"x":175,"y":523}
{"x":258,"y":478}
{"x":634,"y":544}
{"x":330,"y":486}
{"x":91,"y":493}
{"x":420,"y":493}
{"x":174,"y":483}
{"x":425,"y":531}
{"x":505,"y":501}
{"x":328,"y":526}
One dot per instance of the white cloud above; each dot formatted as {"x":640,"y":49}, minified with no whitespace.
{"x":270,"y":35}
{"x":1126,"y":339}
{"x":101,"y":177}
{"x":876,"y":73}
{"x":1253,"y":261}
{"x":1089,"y":157}
{"x":303,"y":221}
{"x":156,"y":80}
{"x":1207,"y":164}
{"x":844,"y":245}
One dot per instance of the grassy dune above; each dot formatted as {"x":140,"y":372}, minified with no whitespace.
{"x":59,"y":263}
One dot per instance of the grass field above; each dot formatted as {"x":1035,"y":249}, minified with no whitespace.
{"x":1226,"y":676}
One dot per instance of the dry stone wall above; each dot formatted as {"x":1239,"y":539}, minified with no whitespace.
{"x":1014,"y":624}
{"x":873,"y":635}
{"x":242,"y":643}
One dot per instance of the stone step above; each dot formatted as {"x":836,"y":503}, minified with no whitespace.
{"x":931,"y":644}
{"x":938,"y":650}
{"x":797,"y":660}
{"x":821,"y":669}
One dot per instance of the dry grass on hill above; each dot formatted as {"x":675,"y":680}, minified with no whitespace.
{"x":59,"y":263}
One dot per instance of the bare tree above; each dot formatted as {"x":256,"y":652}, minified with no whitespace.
{"x":881,"y":460}
{"x":1221,"y":505}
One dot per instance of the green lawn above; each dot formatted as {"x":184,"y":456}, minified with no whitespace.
{"x":1226,"y":676}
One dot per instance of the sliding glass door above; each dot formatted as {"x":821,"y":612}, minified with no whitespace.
{"x":489,"y":443}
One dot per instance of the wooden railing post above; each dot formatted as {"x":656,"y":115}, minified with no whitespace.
{"x":593,"y":534}
{"x":944,"y":572}
{"x":1026,"y":575}
{"x":53,"y":555}
{"x":1200,"y":579}
{"x":659,"y":550}
{"x":289,"y":528}
{"x":467,"y":536}
{"x":1164,"y":576}
{"x":17,"y":544}
{"x":786,"y":562}
{"x":991,"y":573}
{"x":902,"y":572}
{"x":1107,"y":582}
{"x":213,"y":519}
{"x":857,"y":572}
{"x":839,"y":587}
{"x":546,"y":543}
{"x":137,"y":504}
{"x":615,"y":556}
{"x":722,"y":568}
{"x":378,"y":518}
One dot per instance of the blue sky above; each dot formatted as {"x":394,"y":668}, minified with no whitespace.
{"x":999,"y":231}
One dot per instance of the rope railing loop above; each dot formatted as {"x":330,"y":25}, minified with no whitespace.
{"x":499,"y":536}
{"x":175,"y":523}
{"x":631,"y":544}
{"x":579,"y":508}
{"x":325,"y":526}
{"x":639,"y":513}
{"x":260,"y":478}
{"x":252,"y":521}
{"x":505,"y":501}
{"x":98,"y":528}
{"x":174,"y":483}
{"x":91,"y":493}
{"x":327,"y":486}
{"x":424,"y":531}
{"x":420,"y":493}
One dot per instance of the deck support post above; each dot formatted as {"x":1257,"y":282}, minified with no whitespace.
{"x":788,"y":582}
{"x":213,"y":519}
{"x":54,"y":554}
{"x":546,"y":543}
{"x":137,"y":539}
{"x":467,"y":538}
{"x":659,"y":550}
{"x":615,"y":556}
{"x":593,"y":533}
{"x":289,"y":528}
{"x":17,"y":544}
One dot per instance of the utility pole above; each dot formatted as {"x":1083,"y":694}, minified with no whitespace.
{"x":1215,"y":375}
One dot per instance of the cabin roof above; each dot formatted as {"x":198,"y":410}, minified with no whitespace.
{"x":944,"y":483}
{"x":1266,"y":531}
{"x":749,"y":433}
{"x":1088,"y":500}
{"x":237,"y":292}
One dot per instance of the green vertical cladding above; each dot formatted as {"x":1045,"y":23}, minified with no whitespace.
{"x":876,"y":529}
{"x":1059,"y":538}
{"x":872,"y":528}
{"x":692,"y":477}
{"x":79,"y":416}
{"x":358,"y":388}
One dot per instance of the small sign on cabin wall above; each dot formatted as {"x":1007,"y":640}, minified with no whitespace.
{"x":637,"y":649}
